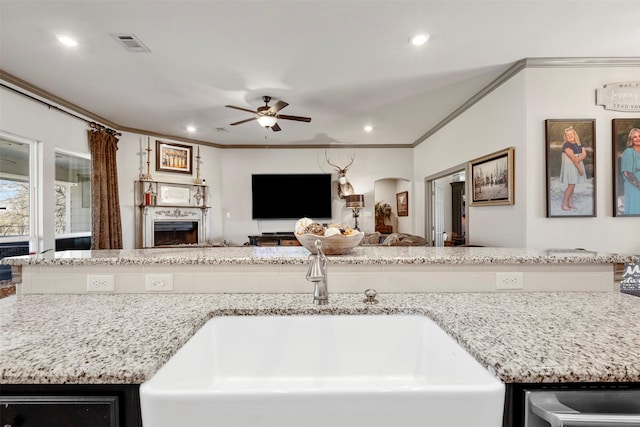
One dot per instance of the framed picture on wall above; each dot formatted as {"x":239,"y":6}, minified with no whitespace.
{"x":626,"y":167}
{"x":402,"y":203}
{"x":492,"y":179}
{"x":570,"y":147}
{"x":173,"y":195}
{"x":174,"y":157}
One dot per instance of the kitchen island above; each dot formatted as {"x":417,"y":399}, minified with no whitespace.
{"x":282,"y":269}
{"x":122,"y":339}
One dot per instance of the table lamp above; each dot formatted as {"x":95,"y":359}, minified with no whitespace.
{"x":355,"y":202}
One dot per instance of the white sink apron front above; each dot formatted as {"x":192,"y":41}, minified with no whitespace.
{"x":324,"y":370}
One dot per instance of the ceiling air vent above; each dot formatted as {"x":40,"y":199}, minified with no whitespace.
{"x":131,"y":42}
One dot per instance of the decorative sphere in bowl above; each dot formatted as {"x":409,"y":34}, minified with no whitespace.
{"x":337,"y":244}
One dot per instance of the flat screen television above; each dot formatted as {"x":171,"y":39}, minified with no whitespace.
{"x":291,"y":196}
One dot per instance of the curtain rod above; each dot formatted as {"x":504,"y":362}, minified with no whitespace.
{"x":92,"y":125}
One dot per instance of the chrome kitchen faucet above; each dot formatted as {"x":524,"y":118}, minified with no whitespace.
{"x":318,"y":275}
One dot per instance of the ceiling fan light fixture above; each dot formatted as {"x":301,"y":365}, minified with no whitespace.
{"x":267,"y":121}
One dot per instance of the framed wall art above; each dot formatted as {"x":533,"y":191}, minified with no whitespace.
{"x":174,"y":158}
{"x":402,"y":203}
{"x":626,"y":167}
{"x":570,"y":147}
{"x":173,"y":195}
{"x":492,"y":179}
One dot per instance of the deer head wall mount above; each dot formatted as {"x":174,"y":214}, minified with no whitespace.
{"x":344,"y":187}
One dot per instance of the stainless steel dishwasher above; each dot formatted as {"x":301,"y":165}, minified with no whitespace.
{"x":582,"y":408}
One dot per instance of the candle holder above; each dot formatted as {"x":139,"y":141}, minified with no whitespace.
{"x":198,"y":197}
{"x":148,"y":177}
{"x":198,"y":181}
{"x":150,"y":196}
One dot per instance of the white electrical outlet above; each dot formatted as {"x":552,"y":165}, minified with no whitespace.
{"x":100,"y":283}
{"x":509,"y":281}
{"x":159,"y":282}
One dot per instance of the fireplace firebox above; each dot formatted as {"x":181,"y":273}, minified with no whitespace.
{"x":171,"y":233}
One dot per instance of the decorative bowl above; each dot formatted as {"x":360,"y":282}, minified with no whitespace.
{"x":331,"y":245}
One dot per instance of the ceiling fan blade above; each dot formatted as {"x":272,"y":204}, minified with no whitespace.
{"x":243,"y":121}
{"x":241,"y":109}
{"x":277,"y":107}
{"x":275,"y":128}
{"x":296,"y":118}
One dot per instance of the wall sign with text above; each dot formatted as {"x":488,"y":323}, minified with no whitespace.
{"x":622,"y":96}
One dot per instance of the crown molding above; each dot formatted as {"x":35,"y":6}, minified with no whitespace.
{"x":51,"y":100}
{"x":524,"y":64}
{"x":65,"y":106}
{"x":37,"y":94}
{"x":581,"y":62}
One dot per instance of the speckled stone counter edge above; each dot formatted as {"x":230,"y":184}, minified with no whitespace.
{"x":368,"y":255}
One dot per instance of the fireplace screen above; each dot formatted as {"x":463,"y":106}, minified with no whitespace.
{"x":171,"y":233}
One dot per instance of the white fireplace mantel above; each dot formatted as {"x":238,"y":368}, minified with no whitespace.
{"x":160,"y":202}
{"x":154,"y":214}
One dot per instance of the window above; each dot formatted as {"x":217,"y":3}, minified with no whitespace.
{"x":73,"y":195}
{"x":17,"y":206}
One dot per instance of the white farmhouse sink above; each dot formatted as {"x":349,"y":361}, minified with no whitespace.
{"x":326,"y":370}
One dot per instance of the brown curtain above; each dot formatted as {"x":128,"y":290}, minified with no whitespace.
{"x":106,"y":226}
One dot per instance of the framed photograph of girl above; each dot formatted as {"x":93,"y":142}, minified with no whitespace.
{"x":571,"y":170}
{"x":626,"y":167}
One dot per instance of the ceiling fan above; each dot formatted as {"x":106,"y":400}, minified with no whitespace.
{"x":268,"y":116}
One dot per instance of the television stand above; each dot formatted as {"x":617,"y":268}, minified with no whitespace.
{"x":278,"y":233}
{"x":274,"y":239}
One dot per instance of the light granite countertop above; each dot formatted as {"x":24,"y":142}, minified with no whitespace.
{"x":125,"y":339}
{"x":299,"y":255}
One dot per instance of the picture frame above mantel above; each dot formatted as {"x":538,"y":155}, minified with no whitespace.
{"x":174,"y":195}
{"x":176,"y":158}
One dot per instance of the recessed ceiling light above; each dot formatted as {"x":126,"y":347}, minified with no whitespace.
{"x":368,"y":128}
{"x":67,"y":41}
{"x":419,"y":39}
{"x":191,"y":129}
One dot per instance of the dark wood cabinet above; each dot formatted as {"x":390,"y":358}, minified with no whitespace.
{"x":56,"y":405}
{"x":458,"y":214}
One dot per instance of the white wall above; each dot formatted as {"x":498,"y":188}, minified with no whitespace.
{"x":569,"y":93}
{"x":443,"y":186}
{"x":513,"y":115}
{"x":52,"y":129}
{"x":494,"y":123}
{"x":405,"y":223}
{"x":238,"y":165}
{"x":227,"y":172}
{"x":132,"y":163}
{"x":385,"y":191}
